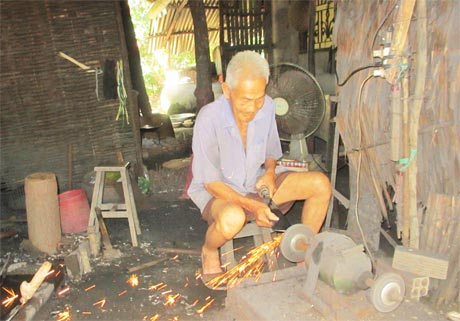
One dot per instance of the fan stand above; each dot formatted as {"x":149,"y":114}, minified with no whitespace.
{"x":298,"y":148}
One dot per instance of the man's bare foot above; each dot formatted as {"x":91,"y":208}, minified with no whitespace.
{"x":210,"y":261}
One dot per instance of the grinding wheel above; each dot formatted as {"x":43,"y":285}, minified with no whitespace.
{"x":387,"y":292}
{"x":295,"y":242}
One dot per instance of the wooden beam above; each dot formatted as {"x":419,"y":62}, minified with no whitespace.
{"x":420,"y":71}
{"x":157,"y":8}
{"x":175,"y":19}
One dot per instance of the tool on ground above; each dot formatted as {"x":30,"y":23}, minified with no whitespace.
{"x":338,"y":261}
{"x":109,"y":252}
{"x":282,"y":224}
{"x":28,"y":289}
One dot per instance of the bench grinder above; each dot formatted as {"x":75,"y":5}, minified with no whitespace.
{"x":338,"y":261}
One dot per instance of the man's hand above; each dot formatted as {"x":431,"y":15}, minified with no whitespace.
{"x":267,"y":181}
{"x":263,"y":214}
{"x":268,"y":178}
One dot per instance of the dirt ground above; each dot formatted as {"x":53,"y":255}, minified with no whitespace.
{"x":169,"y":290}
{"x":167,"y":223}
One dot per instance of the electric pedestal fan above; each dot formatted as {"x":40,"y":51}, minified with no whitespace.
{"x":300,"y":106}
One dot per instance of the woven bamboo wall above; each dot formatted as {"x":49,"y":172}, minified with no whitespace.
{"x":48,"y":102}
{"x":365,"y":119}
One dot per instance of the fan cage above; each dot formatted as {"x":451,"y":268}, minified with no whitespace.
{"x":305,"y":98}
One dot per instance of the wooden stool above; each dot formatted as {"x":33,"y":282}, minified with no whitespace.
{"x":112,"y":210}
{"x":260,"y":235}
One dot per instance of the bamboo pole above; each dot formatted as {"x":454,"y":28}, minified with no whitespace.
{"x":400,"y":35}
{"x":396,"y":122}
{"x":420,"y":71}
{"x":405,"y":185}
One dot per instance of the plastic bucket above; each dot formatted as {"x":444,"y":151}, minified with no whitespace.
{"x":74,"y":211}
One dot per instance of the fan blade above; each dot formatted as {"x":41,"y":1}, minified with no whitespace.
{"x":305,"y":100}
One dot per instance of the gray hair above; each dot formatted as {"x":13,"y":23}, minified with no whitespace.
{"x":246,"y":65}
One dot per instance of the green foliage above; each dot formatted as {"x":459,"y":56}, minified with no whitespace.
{"x":183,"y":60}
{"x":153,"y":64}
{"x":151,"y":67}
{"x":144,"y":184}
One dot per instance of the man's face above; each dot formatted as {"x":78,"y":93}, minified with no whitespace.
{"x":246,"y":99}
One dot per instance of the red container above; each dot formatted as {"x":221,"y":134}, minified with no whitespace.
{"x":74,"y":211}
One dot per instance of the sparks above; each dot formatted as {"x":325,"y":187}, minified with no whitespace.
{"x":158,"y":286}
{"x":90,"y":288}
{"x":12,"y":296}
{"x":64,"y":291}
{"x":100,"y":303}
{"x":251,"y":265}
{"x":122,"y":292}
{"x":155,"y":317}
{"x":133,"y":280}
{"x":50,"y":273}
{"x":171,"y":300}
{"x":204,"y":307}
{"x":64,"y":315}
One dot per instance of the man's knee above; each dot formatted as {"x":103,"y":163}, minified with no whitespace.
{"x":231,"y":221}
{"x":316,"y":184}
{"x":322,"y":185}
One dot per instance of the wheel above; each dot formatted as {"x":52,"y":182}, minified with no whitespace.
{"x":387,"y":292}
{"x":295,"y":242}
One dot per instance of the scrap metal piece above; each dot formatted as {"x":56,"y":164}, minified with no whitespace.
{"x":5,"y":268}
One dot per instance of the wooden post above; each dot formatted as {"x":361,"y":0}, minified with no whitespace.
{"x":406,"y":151}
{"x":203,"y":91}
{"x":42,"y":205}
{"x":414,"y":116}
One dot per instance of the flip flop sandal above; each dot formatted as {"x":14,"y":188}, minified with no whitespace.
{"x":206,"y":278}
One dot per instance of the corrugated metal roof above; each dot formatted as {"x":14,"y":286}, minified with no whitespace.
{"x":172,"y":27}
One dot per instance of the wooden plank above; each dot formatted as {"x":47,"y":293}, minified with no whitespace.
{"x":420,"y":262}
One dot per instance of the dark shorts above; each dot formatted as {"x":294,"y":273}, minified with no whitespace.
{"x":284,"y":208}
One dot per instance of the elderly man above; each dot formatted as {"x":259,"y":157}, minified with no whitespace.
{"x":235,"y":150}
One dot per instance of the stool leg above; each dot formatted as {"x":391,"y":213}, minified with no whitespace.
{"x":130,"y":209}
{"x":96,"y":199}
{"x":133,"y":205}
{"x":132,"y":231}
{"x":93,"y":224}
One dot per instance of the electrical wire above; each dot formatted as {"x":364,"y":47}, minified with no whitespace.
{"x":358,"y":170}
{"x":376,"y":65}
{"x":383,"y":22}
